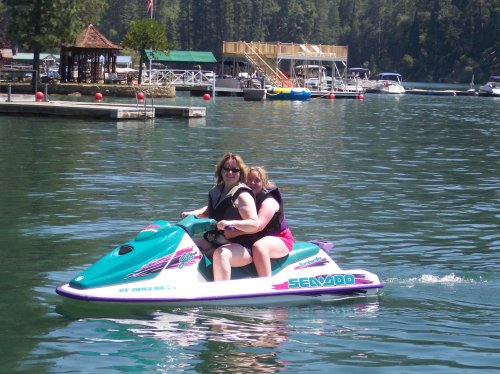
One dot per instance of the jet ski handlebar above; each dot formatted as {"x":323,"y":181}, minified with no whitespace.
{"x":194,"y":225}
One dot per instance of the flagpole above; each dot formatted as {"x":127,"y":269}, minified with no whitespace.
{"x":151,"y":54}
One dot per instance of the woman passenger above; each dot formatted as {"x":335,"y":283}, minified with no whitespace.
{"x":276,"y":239}
{"x":273,"y":238}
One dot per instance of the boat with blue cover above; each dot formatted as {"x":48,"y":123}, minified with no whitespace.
{"x":163,"y":265}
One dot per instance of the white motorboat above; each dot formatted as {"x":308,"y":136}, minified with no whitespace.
{"x":313,"y":77}
{"x":492,"y":88}
{"x":360,"y":77}
{"x":389,"y":83}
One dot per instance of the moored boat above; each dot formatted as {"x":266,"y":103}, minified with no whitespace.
{"x":491,"y":88}
{"x":360,"y":77}
{"x":312,"y":77}
{"x":388,"y":83}
{"x":353,"y":86}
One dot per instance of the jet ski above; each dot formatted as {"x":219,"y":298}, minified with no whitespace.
{"x":163,"y":265}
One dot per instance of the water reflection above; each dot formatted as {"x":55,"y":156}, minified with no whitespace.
{"x":135,"y":124}
{"x":202,"y":339}
{"x":406,"y":187}
{"x":196,"y":121}
{"x":224,"y":333}
{"x":228,"y":339}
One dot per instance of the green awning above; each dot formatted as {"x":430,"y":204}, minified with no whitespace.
{"x":181,"y":56}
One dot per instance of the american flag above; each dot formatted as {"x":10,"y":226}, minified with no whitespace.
{"x":150,"y":7}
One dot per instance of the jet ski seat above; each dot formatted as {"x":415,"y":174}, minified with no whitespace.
{"x":299,"y":252}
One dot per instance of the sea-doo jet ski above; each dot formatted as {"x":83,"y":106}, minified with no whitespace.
{"x":163,"y":265}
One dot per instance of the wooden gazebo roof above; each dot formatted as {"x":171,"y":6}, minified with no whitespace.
{"x":91,"y":38}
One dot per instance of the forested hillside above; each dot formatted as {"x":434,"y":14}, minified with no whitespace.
{"x":425,"y":40}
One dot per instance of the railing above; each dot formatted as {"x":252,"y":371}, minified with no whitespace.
{"x":271,"y":73}
{"x":277,"y":50}
{"x":179,"y":77}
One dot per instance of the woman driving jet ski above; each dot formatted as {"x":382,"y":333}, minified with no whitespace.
{"x":231,"y":203}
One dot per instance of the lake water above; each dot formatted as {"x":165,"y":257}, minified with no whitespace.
{"x":406,"y":187}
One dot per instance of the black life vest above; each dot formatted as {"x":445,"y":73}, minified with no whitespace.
{"x":278,"y":223}
{"x":222,"y":207}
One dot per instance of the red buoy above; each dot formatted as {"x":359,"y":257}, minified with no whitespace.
{"x":140,"y":96}
{"x":206,"y":97}
{"x":361,"y":96}
{"x":98,"y":96}
{"x":331,"y":96}
{"x":39,"y":96}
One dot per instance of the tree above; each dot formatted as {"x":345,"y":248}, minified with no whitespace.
{"x":167,"y":13}
{"x":144,"y":34}
{"x":429,"y":40}
{"x":120,"y":16}
{"x":43,"y":25}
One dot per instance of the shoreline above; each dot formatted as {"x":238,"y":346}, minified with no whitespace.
{"x":75,"y":89}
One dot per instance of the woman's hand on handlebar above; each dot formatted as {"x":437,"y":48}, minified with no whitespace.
{"x":225,"y":225}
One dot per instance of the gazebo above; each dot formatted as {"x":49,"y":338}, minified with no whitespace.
{"x":90,"y":57}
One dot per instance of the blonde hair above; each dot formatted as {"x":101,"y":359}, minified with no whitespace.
{"x":266,"y":183}
{"x":231,"y":156}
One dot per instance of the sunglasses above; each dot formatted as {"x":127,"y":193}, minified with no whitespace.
{"x":234,"y":170}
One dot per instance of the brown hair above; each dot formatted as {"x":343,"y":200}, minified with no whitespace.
{"x":241,"y":164}
{"x":266,"y":183}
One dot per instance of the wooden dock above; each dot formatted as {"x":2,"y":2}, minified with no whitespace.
{"x":337,"y":94}
{"x":254,"y":94}
{"x":173,"y":111}
{"x":417,"y":91}
{"x":74,"y":109}
{"x":219,"y":91}
{"x":233,"y":91}
{"x":180,"y":111}
{"x":97,"y":110}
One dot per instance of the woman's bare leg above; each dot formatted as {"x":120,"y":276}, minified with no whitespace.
{"x":228,"y":256}
{"x":264,"y":250}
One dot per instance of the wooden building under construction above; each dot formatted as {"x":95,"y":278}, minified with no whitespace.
{"x":268,"y":58}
